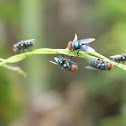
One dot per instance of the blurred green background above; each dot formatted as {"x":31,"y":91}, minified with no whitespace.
{"x":50,"y":96}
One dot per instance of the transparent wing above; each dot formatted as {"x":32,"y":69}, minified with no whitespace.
{"x":53,"y":62}
{"x":86,"y":48}
{"x":29,"y":40}
{"x":91,"y":68}
{"x":115,"y":56}
{"x":56,"y":59}
{"x":88,"y":40}
{"x":75,"y":37}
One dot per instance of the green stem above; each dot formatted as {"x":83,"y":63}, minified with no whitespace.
{"x":17,"y":69}
{"x":19,"y":57}
{"x":86,"y":55}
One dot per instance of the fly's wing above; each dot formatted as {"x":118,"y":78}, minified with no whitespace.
{"x":86,"y":48}
{"x":56,"y":59}
{"x":115,"y":56}
{"x":75,"y":37}
{"x":88,"y":40}
{"x":29,"y":40}
{"x":53,"y":62}
{"x":91,"y":68}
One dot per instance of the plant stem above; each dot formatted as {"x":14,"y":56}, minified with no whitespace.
{"x":86,"y":55}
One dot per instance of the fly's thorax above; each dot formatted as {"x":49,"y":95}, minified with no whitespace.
{"x":60,"y":61}
{"x":76,"y":45}
{"x":103,"y":66}
{"x":26,"y":44}
{"x":66,"y":65}
{"x":107,"y":66}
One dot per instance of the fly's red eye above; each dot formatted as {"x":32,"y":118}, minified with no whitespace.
{"x":69,"y":45}
{"x":14,"y":47}
{"x":74,"y":68}
{"x":110,"y":65}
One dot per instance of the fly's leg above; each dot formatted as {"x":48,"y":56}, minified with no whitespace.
{"x":57,"y":52}
{"x":18,"y":52}
{"x":30,"y":50}
{"x":24,"y":51}
{"x":77,"y":53}
{"x":62,"y":55}
{"x":123,"y":64}
{"x":71,"y":58}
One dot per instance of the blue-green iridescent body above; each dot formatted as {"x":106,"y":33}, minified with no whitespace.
{"x":99,"y":64}
{"x":65,"y":64}
{"x":22,"y":45}
{"x":76,"y":45}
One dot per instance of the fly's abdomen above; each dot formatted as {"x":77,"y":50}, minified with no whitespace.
{"x":94,"y":63}
{"x":117,"y":59}
{"x":28,"y":44}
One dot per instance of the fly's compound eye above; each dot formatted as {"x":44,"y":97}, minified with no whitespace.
{"x":14,"y":47}
{"x":69,"y":45}
{"x":74,"y":68}
{"x":110,"y":65}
